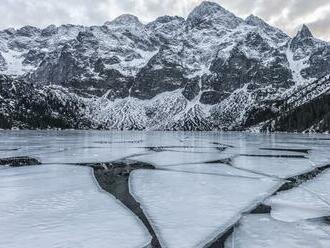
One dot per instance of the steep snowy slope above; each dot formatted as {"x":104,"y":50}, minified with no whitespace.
{"x":212,"y":70}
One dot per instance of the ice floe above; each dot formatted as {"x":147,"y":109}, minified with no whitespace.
{"x":167,"y":158}
{"x":262,"y":231}
{"x":214,"y":168}
{"x":309,"y":200}
{"x":191,"y":210}
{"x":278,"y":167}
{"x":62,"y":206}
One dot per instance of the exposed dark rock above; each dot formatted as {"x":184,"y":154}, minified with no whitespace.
{"x":259,"y":114}
{"x":212,"y":97}
{"x":49,"y":31}
{"x":191,"y":89}
{"x":314,"y":115}
{"x":28,"y":31}
{"x":24,"y":105}
{"x":150,"y":82}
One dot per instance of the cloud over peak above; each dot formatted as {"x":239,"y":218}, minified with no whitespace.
{"x":288,"y":15}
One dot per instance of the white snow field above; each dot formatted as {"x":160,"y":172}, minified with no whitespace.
{"x":191,"y":210}
{"x":309,"y":200}
{"x":262,"y":231}
{"x":58,"y":206}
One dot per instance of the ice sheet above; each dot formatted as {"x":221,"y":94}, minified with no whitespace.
{"x":216,"y":169}
{"x":320,"y":156}
{"x":166,"y":159}
{"x":58,"y":143}
{"x":89,"y":155}
{"x":261,"y":231}
{"x":186,"y":152}
{"x":309,"y":200}
{"x":189,"y":210}
{"x":279,"y":167}
{"x":62,"y":206}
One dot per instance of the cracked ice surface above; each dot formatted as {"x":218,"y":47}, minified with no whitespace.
{"x":277,"y":167}
{"x":191,"y":210}
{"x":309,"y":200}
{"x":168,"y":159}
{"x":189,"y":202}
{"x":262,"y":231}
{"x":61,"y":206}
{"x":70,"y":146}
{"x":216,"y":169}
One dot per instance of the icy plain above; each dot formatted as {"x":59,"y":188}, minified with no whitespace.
{"x":202,"y":185}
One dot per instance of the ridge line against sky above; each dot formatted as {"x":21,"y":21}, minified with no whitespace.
{"x":287,"y":15}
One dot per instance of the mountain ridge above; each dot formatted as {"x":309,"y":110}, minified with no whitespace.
{"x":211,"y":71}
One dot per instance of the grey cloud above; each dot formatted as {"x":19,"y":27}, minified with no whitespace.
{"x":15,"y":13}
{"x":321,"y":28}
{"x":288,"y":15}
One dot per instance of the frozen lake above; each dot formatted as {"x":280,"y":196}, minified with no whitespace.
{"x":164,"y":189}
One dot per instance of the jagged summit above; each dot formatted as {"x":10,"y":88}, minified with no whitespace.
{"x":259,"y":23}
{"x":125,"y":20}
{"x":304,"y":32}
{"x":206,"y":8}
{"x":255,"y":20}
{"x":28,"y":31}
{"x":167,"y":18}
{"x":213,"y":12}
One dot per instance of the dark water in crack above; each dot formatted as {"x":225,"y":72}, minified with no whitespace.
{"x":19,"y":161}
{"x":113,"y":178}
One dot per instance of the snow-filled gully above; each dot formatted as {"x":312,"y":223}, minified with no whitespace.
{"x":196,"y":194}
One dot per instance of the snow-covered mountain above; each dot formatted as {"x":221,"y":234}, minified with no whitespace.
{"x":212,"y":70}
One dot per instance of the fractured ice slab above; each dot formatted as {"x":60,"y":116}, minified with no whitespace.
{"x":165,"y":159}
{"x":309,"y":200}
{"x":62,"y":206}
{"x":77,"y":146}
{"x":190,"y":210}
{"x":89,"y":155}
{"x":213,"y":168}
{"x":320,"y":156}
{"x":278,"y":167}
{"x":261,"y":231}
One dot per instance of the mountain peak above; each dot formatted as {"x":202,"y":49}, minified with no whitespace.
{"x":214,"y":12}
{"x":208,"y":4}
{"x":255,"y":20}
{"x":126,"y":19}
{"x":304,"y":33}
{"x":206,"y":8}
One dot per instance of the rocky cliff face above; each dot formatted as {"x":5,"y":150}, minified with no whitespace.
{"x":212,"y":70}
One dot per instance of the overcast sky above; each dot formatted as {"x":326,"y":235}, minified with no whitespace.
{"x":285,"y":14}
